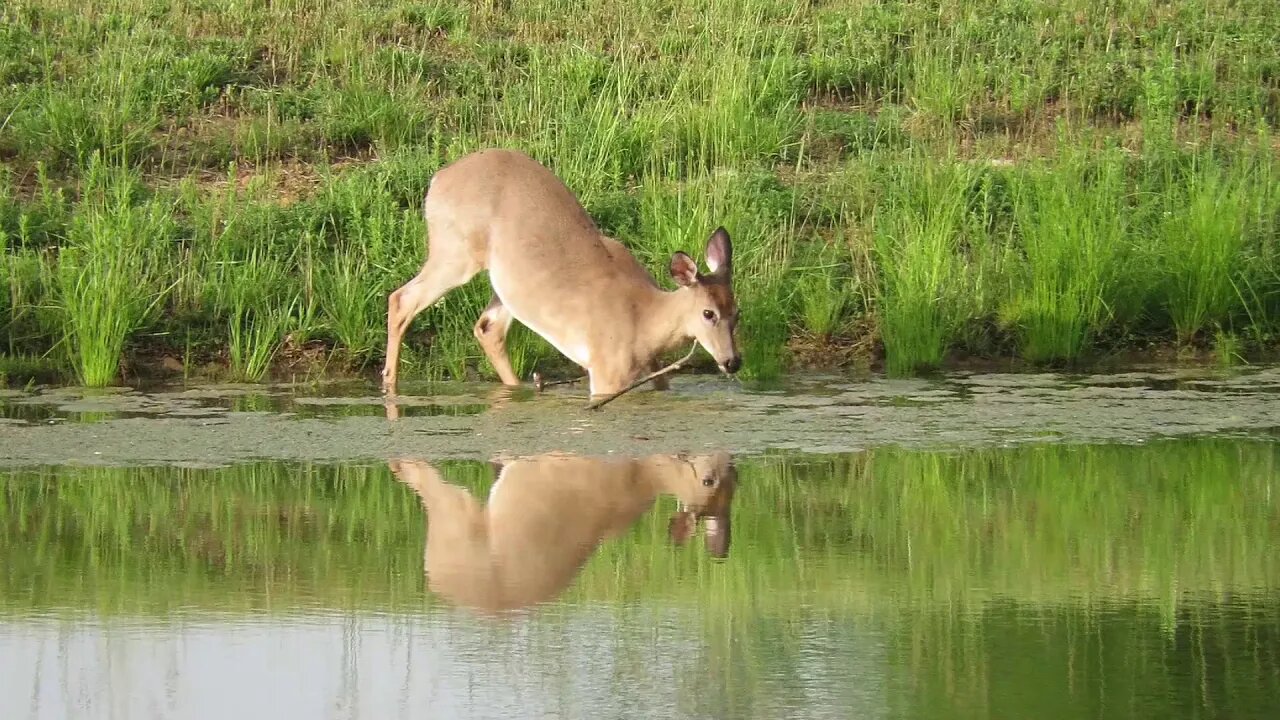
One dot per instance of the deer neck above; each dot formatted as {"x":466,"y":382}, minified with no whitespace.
{"x":662,"y":325}
{"x":669,"y":474}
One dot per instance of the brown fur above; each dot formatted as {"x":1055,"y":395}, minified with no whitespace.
{"x":552,"y":269}
{"x":547,"y":514}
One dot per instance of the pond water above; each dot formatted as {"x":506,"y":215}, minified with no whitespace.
{"x":886,"y":550}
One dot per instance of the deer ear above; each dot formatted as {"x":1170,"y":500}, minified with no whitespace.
{"x":684,"y":270}
{"x":681,"y":526}
{"x":719,"y":252}
{"x":717,"y":537}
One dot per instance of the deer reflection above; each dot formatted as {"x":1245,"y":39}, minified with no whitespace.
{"x":547,"y":514}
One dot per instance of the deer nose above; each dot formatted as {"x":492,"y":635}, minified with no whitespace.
{"x":734,"y":363}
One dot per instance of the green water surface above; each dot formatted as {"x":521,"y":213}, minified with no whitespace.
{"x":1040,"y":581}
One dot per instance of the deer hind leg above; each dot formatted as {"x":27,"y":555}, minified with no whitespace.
{"x":437,"y":277}
{"x":491,"y":330}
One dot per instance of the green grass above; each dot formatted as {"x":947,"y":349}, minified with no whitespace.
{"x":108,"y":279}
{"x":1204,"y":244}
{"x":247,"y":275}
{"x":917,"y":249}
{"x":1070,"y":221}
{"x":259,"y":308}
{"x":1114,"y":166}
{"x":822,"y":289}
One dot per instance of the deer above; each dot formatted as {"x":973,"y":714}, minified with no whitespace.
{"x":553,"y":270}
{"x":547,"y":514}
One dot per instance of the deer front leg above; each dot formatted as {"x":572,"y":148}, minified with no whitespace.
{"x":661,"y":382}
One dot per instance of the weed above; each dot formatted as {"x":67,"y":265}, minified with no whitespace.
{"x":259,"y":307}
{"x":1071,"y":225}
{"x":1120,"y":177}
{"x":821,"y":285}
{"x":108,"y":275}
{"x":917,"y":243}
{"x":1203,"y":237}
{"x":1227,"y":348}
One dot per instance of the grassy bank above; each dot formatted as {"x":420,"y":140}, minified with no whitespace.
{"x":239,"y":185}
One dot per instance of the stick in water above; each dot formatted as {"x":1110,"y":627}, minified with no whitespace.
{"x":597,"y":404}
{"x":540,"y":383}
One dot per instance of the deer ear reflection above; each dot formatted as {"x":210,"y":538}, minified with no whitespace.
{"x":717,"y":535}
{"x":681,"y":526}
{"x":513,"y":548}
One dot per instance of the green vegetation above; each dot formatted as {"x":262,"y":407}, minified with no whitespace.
{"x":108,"y":272}
{"x":1072,"y":229}
{"x":1154,"y":523}
{"x":1150,"y":569}
{"x":239,"y":183}
{"x":917,"y":251}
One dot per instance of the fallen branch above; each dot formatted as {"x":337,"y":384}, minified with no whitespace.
{"x":677,"y":365}
{"x":540,"y":383}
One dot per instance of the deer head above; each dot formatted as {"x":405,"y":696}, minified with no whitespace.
{"x":713,"y":317}
{"x":706,"y":495}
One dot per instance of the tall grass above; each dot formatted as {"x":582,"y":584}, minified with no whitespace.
{"x":335,"y":116}
{"x":248,"y":275}
{"x":734,"y":102}
{"x":1071,"y":221}
{"x":918,"y":237}
{"x":351,"y":304}
{"x":570,"y":115}
{"x":370,"y":245}
{"x":1204,"y":242}
{"x":259,"y":306}
{"x":109,"y":272}
{"x":822,"y":283}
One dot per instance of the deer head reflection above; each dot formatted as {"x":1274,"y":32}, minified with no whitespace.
{"x":547,"y":514}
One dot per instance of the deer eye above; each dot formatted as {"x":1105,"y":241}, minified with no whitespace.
{"x":708,"y":481}
{"x":709,"y":315}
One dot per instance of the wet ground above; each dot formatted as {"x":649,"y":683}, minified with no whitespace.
{"x":231,"y":423}
{"x":971,"y":545}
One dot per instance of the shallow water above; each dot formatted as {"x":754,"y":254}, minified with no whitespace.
{"x":232,"y":423}
{"x":1122,"y":567}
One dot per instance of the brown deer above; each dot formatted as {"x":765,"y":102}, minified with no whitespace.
{"x":547,"y":514}
{"x":553,"y":270}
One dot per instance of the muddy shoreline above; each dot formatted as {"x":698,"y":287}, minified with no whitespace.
{"x":146,"y":366}
{"x":222,"y":424}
